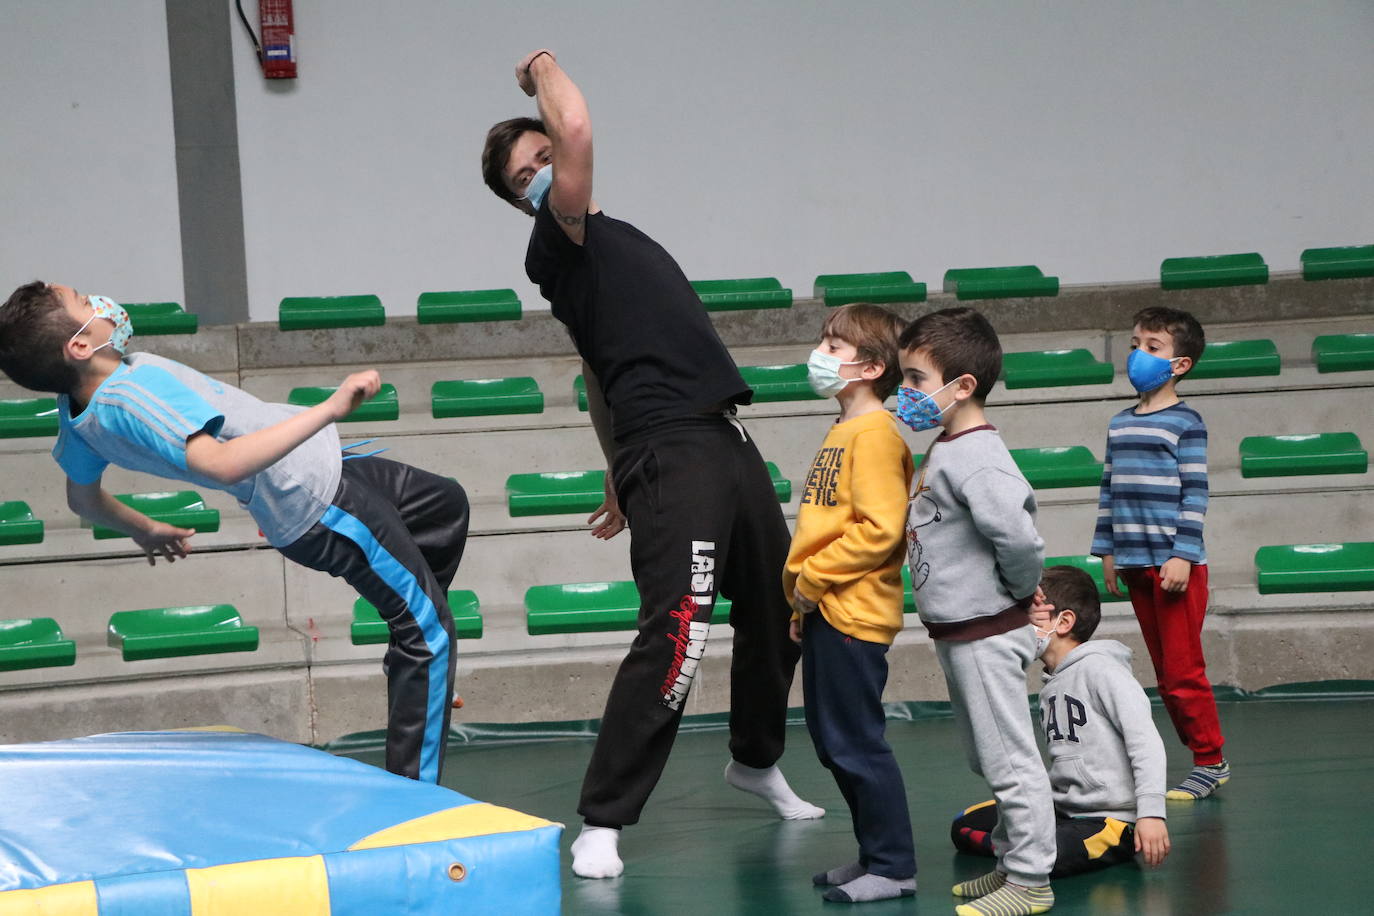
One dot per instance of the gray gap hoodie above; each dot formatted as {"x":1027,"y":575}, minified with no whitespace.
{"x":1106,"y":756}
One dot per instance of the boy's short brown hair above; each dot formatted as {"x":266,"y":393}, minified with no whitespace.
{"x":1069,"y":588}
{"x":873,"y":332}
{"x":34,"y":330}
{"x":496,"y":152}
{"x":961,"y":341}
{"x":1189,"y":339}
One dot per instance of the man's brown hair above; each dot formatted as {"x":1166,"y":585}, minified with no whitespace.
{"x":961,"y":342}
{"x":496,"y":152}
{"x":873,"y":331}
{"x":1189,"y":340}
{"x":34,"y":330}
{"x":1069,"y":588}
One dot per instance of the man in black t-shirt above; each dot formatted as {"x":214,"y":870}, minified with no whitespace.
{"x":704,"y":520}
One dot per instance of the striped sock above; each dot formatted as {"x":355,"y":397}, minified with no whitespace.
{"x":1010,"y":900}
{"x":1201,"y":782}
{"x":980,"y":886}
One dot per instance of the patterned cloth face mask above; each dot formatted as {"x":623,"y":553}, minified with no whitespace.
{"x":113,"y":312}
{"x":918,"y":409}
{"x":823,"y":373}
{"x":539,"y":186}
{"x":1147,"y":371}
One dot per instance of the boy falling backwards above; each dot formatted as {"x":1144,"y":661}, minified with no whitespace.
{"x":393,"y":532}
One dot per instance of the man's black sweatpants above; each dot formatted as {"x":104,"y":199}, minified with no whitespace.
{"x":704,"y":520}
{"x":396,"y":534}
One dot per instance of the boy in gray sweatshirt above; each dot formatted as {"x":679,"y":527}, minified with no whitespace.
{"x":1106,"y":757}
{"x":976,"y":561}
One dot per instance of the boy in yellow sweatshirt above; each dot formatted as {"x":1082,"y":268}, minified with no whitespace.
{"x":843,"y":577}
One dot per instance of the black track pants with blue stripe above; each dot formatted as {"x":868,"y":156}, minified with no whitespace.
{"x":396,"y":534}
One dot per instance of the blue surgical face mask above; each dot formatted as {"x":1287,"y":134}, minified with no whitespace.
{"x":1147,"y":371}
{"x":539,"y":186}
{"x":113,"y":312}
{"x":823,"y":372}
{"x":918,"y":409}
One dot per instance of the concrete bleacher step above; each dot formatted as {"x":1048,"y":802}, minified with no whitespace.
{"x":35,"y":642}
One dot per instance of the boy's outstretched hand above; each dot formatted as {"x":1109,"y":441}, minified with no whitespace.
{"x":355,"y":389}
{"x":1152,"y":840}
{"x":162,"y":539}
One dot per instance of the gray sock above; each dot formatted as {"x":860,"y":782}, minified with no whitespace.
{"x":842,"y":875}
{"x":871,"y":887}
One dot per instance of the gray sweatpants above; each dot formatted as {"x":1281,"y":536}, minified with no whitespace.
{"x":987,"y":690}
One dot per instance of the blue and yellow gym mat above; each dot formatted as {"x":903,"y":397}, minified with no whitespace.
{"x":225,"y":823}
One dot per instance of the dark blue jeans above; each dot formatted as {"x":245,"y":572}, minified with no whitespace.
{"x":842,"y":681}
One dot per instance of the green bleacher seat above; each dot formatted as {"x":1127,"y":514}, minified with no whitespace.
{"x":1291,"y":568}
{"x":468,"y":305}
{"x":751,"y":293}
{"x":1093,"y":567}
{"x":999,"y":282}
{"x":381,"y":406}
{"x":17,"y":524}
{"x":1063,"y":466}
{"x":1338,"y":263}
{"x":568,"y":492}
{"x":368,"y":627}
{"x":24,"y":417}
{"x":171,"y":632}
{"x":1315,"y":453}
{"x":1050,"y":368}
{"x":591,"y":607}
{"x":779,"y":383}
{"x":1343,"y":352}
{"x":184,"y":509}
{"x":1237,"y":359}
{"x":34,"y":643}
{"x":888,"y":286}
{"x":484,"y":397}
{"x":150,"y":319}
{"x":299,"y":313}
{"x":580,"y":392}
{"x":1216,"y":270}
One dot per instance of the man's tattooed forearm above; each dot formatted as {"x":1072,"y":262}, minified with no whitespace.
{"x":567,"y":219}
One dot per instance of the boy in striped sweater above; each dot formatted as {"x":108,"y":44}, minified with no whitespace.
{"x":1149,"y":532}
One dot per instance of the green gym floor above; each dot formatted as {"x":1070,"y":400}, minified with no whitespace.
{"x":1291,"y":832}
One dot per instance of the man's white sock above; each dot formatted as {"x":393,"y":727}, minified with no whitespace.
{"x":595,"y":853}
{"x":770,"y":785}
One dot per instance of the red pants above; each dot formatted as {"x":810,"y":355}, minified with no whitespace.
{"x":1171,"y":623}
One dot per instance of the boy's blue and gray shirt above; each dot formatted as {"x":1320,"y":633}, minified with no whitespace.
{"x":1154,"y":488}
{"x":141,"y":417}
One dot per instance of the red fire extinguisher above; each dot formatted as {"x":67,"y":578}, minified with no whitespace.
{"x":277,"y":50}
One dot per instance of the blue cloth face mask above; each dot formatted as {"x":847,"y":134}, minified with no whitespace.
{"x":823,"y":373}
{"x":113,"y":312}
{"x":1147,"y":371}
{"x":918,"y":409}
{"x":539,"y":186}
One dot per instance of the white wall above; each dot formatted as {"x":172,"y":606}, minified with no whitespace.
{"x":772,"y":137}
{"x":88,"y":189}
